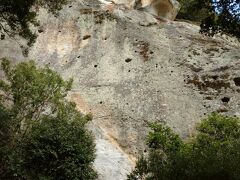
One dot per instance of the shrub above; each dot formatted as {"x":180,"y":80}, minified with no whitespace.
{"x":213,"y":153}
{"x":57,"y":149}
{"x":42,"y":136}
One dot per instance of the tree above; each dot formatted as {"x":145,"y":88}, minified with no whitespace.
{"x":16,"y":16}
{"x":215,"y":16}
{"x":212,"y":154}
{"x":193,"y":10}
{"x":164,"y":147}
{"x":42,"y":135}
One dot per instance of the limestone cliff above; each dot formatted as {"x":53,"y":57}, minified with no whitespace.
{"x":129,"y":69}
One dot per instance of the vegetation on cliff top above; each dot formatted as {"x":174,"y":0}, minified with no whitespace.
{"x":17,"y":16}
{"x":214,"y":15}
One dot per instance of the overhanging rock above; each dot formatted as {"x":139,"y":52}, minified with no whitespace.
{"x":166,"y":9}
{"x":163,"y":9}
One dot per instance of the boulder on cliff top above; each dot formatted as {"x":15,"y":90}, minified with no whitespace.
{"x":163,"y":9}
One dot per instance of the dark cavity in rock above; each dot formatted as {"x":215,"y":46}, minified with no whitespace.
{"x":40,"y":30}
{"x":237,"y":81}
{"x":128,"y":60}
{"x":2,"y":36}
{"x":225,"y":99}
{"x":86,"y":37}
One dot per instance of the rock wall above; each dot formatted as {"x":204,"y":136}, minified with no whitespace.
{"x":130,"y":69}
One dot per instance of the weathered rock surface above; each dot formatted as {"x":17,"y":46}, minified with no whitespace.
{"x":164,"y":9}
{"x":130,"y":69}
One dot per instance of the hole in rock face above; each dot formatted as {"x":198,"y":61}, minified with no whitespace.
{"x":95,"y":66}
{"x":237,"y":81}
{"x":222,"y":110}
{"x":215,"y":77}
{"x":40,"y":30}
{"x":2,"y":36}
{"x":225,"y":99}
{"x":86,"y":37}
{"x":100,"y":102}
{"x":209,"y":98}
{"x":128,"y":60}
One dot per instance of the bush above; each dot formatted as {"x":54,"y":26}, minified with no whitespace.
{"x":56,"y":149}
{"x":42,"y":136}
{"x":213,"y":154}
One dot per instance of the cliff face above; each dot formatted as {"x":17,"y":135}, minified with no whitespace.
{"x":130,"y":69}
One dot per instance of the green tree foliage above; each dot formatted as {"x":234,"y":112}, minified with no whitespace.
{"x":213,"y":154}
{"x":214,"y":15}
{"x":193,"y":10}
{"x":42,"y":136}
{"x":16,"y":16}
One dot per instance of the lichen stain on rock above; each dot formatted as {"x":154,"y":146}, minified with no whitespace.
{"x":204,"y":82}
